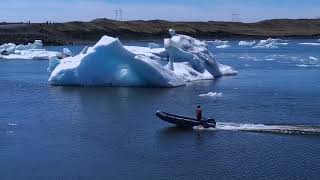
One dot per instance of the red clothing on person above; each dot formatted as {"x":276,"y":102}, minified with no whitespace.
{"x":199,"y":114}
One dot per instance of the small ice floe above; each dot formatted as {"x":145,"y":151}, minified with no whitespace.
{"x":211,"y":94}
{"x":310,"y":44}
{"x":218,"y":42}
{"x":270,"y":43}
{"x":313,"y":58}
{"x":223,"y":46}
{"x":247,"y":43}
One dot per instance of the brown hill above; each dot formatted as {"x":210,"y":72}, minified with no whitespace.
{"x":90,"y":32}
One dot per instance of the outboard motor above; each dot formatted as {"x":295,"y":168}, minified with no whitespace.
{"x":212,"y":121}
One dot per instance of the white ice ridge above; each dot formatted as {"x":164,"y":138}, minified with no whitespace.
{"x":247,"y":43}
{"x":109,"y":63}
{"x":30,"y":51}
{"x":270,"y":43}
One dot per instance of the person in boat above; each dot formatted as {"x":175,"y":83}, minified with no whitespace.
{"x":199,"y":115}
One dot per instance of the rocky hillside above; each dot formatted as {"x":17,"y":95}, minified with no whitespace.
{"x":90,"y":32}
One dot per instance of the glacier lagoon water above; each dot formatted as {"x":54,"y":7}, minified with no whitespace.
{"x":111,"y":133}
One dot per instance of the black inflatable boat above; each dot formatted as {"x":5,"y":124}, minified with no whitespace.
{"x":185,"y":121}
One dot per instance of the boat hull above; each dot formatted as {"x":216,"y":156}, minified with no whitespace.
{"x":184,"y":121}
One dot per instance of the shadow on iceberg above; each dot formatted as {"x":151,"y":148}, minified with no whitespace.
{"x":109,"y":63}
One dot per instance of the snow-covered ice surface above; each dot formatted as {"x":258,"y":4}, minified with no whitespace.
{"x":109,"y":63}
{"x":33,"y":51}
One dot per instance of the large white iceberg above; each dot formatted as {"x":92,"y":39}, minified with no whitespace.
{"x":109,"y":63}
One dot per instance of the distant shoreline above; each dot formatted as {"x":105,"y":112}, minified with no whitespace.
{"x":90,"y":32}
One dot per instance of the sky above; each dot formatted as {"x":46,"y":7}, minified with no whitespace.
{"x":173,"y":10}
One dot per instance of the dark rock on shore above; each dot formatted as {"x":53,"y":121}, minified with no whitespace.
{"x":90,"y":32}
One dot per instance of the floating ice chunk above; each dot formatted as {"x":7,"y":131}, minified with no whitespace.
{"x":218,"y":42}
{"x":226,"y":70}
{"x":109,"y":63}
{"x":270,"y":59}
{"x":33,"y":51}
{"x":247,"y":43}
{"x":211,"y":94}
{"x":223,"y":46}
{"x":153,"y":45}
{"x":310,"y":44}
{"x":270,"y":43}
{"x":313,"y":58}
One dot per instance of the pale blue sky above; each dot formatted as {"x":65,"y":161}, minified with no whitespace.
{"x":176,"y":10}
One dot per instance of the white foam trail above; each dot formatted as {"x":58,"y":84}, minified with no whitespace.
{"x":284,"y":129}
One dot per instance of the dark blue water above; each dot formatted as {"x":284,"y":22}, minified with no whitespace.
{"x":111,"y":133}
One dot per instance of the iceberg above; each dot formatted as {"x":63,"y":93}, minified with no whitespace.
{"x":270,"y":43}
{"x":247,"y":43}
{"x":109,"y":63}
{"x":33,"y":51}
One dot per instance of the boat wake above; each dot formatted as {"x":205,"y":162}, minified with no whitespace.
{"x":281,"y":129}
